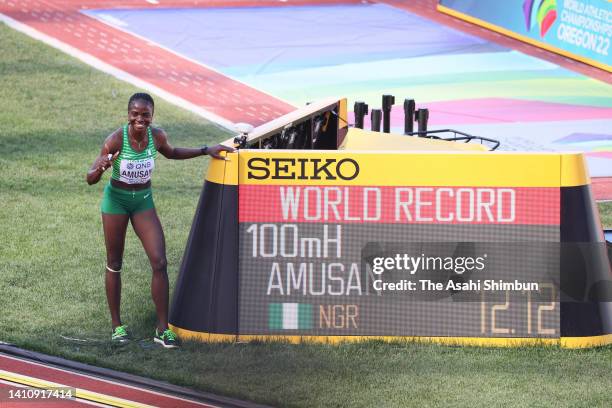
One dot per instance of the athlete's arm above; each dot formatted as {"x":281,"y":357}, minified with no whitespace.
{"x":111,"y":147}
{"x":181,"y":153}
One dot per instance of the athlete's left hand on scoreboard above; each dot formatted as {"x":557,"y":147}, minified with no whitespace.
{"x":215,"y":151}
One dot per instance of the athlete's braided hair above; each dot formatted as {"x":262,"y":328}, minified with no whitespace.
{"x":141,"y":96}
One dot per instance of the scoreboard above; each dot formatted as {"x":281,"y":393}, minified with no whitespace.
{"x":331,"y":245}
{"x":311,"y":231}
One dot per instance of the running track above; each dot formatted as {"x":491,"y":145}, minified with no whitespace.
{"x":228,"y":101}
{"x":16,"y":372}
{"x":93,"y":386}
{"x":198,"y":87}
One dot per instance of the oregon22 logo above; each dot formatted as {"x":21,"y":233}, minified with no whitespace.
{"x":544,"y":12}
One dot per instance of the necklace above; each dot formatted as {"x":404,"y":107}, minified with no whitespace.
{"x":141,"y":143}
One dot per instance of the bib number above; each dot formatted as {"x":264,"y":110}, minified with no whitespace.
{"x":136,"y":171}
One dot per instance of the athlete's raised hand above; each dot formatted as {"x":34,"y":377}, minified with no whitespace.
{"x":106,"y":161}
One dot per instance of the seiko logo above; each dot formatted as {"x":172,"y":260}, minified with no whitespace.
{"x":302,"y":169}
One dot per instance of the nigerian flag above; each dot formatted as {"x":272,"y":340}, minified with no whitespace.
{"x":289,"y":316}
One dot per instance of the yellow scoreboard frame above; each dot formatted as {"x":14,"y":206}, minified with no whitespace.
{"x":220,"y":296}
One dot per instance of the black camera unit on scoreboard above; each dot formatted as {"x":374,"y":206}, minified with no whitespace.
{"x":421,"y":116}
{"x":360,"y":110}
{"x":320,"y":125}
{"x":324,"y":125}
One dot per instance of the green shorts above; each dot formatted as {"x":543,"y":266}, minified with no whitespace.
{"x":119,"y":201}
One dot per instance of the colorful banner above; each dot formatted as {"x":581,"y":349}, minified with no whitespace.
{"x":580,"y":29}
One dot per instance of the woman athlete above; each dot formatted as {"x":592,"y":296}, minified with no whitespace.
{"x":131,"y":152}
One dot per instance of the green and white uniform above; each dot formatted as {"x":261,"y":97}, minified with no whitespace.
{"x":134,"y":167}
{"x":131,"y":167}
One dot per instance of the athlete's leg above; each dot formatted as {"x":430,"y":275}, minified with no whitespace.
{"x":149,"y":230}
{"x":115,"y":226}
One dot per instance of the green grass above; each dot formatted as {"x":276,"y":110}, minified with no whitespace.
{"x":54,"y":115}
{"x":605,"y":212}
